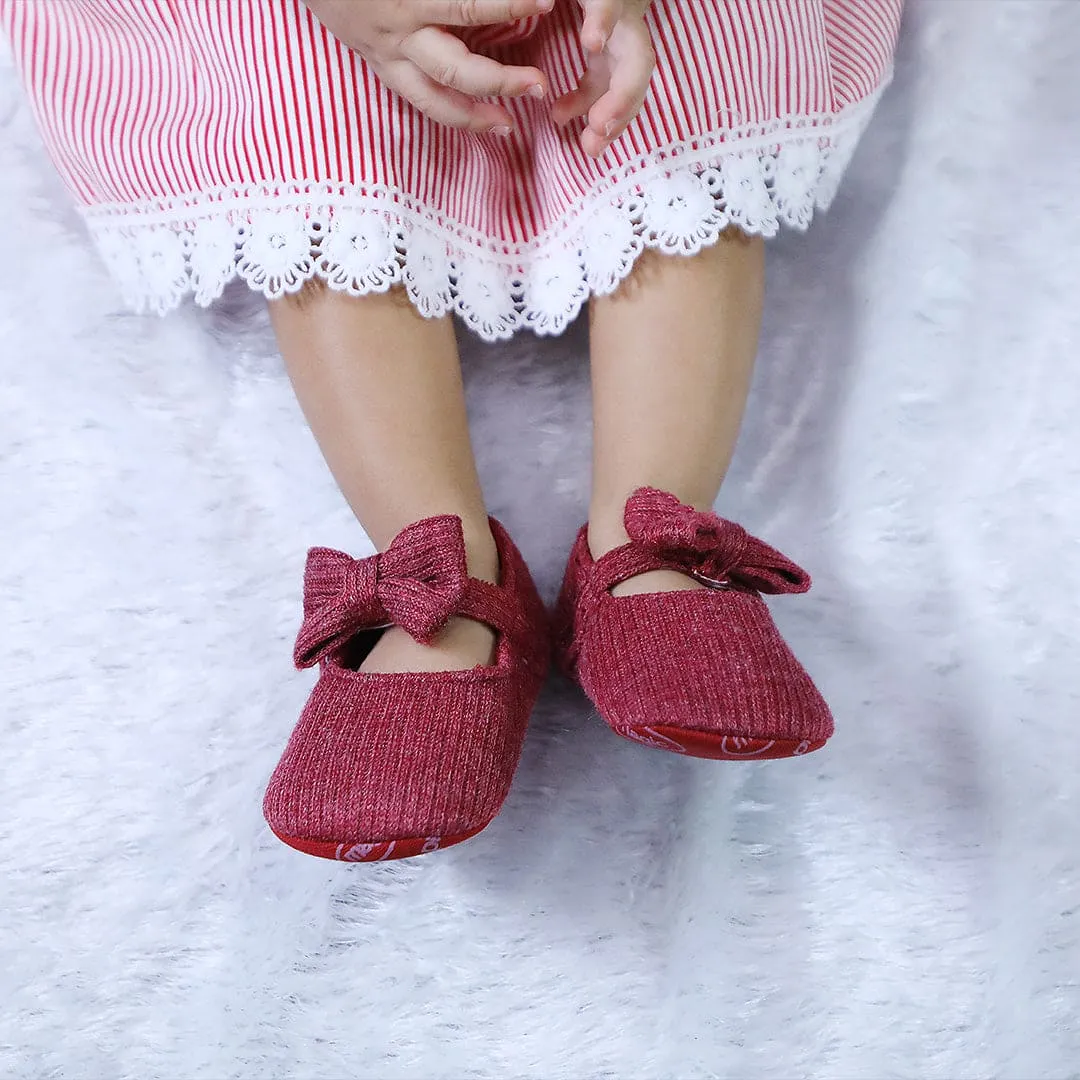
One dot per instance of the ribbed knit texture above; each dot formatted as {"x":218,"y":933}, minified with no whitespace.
{"x":388,"y":765}
{"x":702,"y":672}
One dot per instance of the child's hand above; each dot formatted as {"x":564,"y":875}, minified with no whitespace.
{"x":404,"y":43}
{"x":621,"y":62}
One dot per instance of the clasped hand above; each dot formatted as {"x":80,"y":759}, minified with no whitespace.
{"x":412,"y":47}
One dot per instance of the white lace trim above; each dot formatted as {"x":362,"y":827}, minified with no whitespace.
{"x":363,"y":239}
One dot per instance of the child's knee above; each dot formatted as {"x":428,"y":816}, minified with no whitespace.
{"x":316,"y":291}
{"x":311,"y":291}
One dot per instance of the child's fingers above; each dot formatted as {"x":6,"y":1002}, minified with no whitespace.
{"x":448,"y":60}
{"x":441,"y":103}
{"x":587,"y":93}
{"x":632,"y":62}
{"x":601,"y":18}
{"x":475,"y":12}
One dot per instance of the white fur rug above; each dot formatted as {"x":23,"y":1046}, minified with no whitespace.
{"x":903,"y":904}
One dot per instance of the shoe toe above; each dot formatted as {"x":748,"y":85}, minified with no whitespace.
{"x":390,"y":766}
{"x":705,"y":674}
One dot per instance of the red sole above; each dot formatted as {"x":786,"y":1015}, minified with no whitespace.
{"x":379,"y":851}
{"x":718,"y":747}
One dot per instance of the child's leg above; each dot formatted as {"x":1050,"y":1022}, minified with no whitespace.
{"x":380,"y":386}
{"x":672,"y":355}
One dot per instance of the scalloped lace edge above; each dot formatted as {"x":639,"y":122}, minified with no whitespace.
{"x":362,"y":239}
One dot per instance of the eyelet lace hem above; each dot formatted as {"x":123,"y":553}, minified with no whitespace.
{"x":368,"y":238}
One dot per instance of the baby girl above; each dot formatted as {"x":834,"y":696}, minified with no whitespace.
{"x":376,"y":166}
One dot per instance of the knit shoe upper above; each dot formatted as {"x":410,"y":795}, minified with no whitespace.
{"x":701,"y":672}
{"x":390,"y":765}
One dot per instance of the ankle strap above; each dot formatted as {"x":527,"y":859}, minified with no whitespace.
{"x":665,"y":534}
{"x":417,"y":583}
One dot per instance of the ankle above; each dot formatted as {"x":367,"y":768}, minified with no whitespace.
{"x":605,"y":535}
{"x":481,"y":554}
{"x":606,"y":532}
{"x":606,"y":515}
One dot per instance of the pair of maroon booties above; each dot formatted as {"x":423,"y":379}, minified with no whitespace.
{"x":384,"y":766}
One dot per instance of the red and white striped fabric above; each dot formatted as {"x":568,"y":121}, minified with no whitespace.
{"x":213,"y":139}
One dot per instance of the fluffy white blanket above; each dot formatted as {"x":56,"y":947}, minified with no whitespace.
{"x":903,"y":904}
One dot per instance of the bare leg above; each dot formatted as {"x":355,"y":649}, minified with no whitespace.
{"x":380,"y":386}
{"x":672,"y":357}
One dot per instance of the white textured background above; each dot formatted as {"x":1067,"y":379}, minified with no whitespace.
{"x":903,"y":904}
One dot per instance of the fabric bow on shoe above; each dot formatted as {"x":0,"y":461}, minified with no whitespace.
{"x":418,"y":583}
{"x":708,"y":545}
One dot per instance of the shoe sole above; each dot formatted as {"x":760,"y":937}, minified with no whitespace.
{"x":377,"y":851}
{"x":717,"y":747}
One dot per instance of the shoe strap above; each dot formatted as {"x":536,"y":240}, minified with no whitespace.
{"x":666,"y":534}
{"x":502,"y":611}
{"x":418,"y":583}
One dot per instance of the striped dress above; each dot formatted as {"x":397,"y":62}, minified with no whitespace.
{"x":210,"y":140}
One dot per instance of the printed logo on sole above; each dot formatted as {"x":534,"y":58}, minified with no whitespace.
{"x":648,"y":737}
{"x":739,"y":746}
{"x":801,"y":748}
{"x":397,"y":849}
{"x":366,"y":852}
